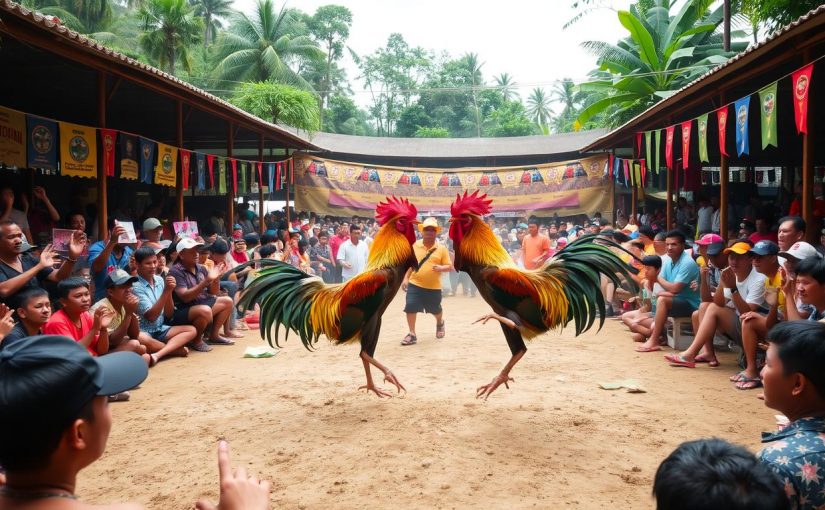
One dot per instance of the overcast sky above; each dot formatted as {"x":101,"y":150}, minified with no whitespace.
{"x":521,"y":37}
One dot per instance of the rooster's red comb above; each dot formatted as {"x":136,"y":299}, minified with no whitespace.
{"x":393,"y":208}
{"x":471,"y":204}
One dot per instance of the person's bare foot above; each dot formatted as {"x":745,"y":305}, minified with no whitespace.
{"x":234,"y":334}
{"x":219,"y":340}
{"x":637,"y":337}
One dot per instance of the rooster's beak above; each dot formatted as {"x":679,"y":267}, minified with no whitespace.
{"x":452,"y":220}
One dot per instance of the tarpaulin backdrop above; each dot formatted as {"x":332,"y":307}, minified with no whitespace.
{"x":340,"y":188}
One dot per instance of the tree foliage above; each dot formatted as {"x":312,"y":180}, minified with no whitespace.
{"x":170,"y":29}
{"x":279,"y":104}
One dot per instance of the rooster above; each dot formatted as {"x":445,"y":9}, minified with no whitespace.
{"x":347,"y":312}
{"x":528,"y":303}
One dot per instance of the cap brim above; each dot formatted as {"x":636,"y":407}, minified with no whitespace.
{"x":121,"y":371}
{"x":786,"y":255}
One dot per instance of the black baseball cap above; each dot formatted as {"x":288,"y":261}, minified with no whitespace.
{"x":51,"y":377}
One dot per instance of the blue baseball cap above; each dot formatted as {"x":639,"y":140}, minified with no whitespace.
{"x":765,"y":248}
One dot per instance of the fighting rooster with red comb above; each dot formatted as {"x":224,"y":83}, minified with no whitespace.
{"x":530,"y":302}
{"x":347,"y":312}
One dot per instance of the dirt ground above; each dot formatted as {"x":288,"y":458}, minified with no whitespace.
{"x":554,"y":440}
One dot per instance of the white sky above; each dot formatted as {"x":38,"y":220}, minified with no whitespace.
{"x":521,"y":37}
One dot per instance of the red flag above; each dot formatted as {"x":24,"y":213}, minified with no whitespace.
{"x":610,"y":159}
{"x":185,"y":157}
{"x":234,"y":163}
{"x":644,"y":171}
{"x":638,"y":144}
{"x":260,"y":175}
{"x":626,"y":172}
{"x":801,"y":85}
{"x":277,"y":176}
{"x":722,"y":122}
{"x":686,"y":143}
{"x":210,"y":159}
{"x":669,"y":147}
{"x":292,"y":170}
{"x":108,"y":137}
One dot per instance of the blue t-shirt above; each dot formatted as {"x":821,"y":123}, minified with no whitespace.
{"x":113,"y":263}
{"x":148,"y":295}
{"x":684,"y":271}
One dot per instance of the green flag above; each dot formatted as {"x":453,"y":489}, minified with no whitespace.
{"x":648,"y":148}
{"x":767,"y":107}
{"x":222,"y":176}
{"x":658,"y":144}
{"x":702,"y":122}
{"x":243,"y":171}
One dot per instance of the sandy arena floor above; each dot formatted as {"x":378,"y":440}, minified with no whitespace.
{"x":554,"y":440}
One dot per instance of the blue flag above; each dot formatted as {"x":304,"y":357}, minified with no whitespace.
{"x":201,"y":165}
{"x":42,"y":146}
{"x":271,"y":177}
{"x":616,"y":164}
{"x":147,"y":159}
{"x":741,"y":108}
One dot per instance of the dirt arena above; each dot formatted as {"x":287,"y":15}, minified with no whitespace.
{"x":554,"y":440}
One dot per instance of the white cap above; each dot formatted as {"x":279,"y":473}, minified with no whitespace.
{"x":800,"y":251}
{"x":186,"y":243}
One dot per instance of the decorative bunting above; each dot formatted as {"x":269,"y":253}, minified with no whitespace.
{"x":78,"y":150}
{"x":610,"y":158}
{"x":648,"y":147}
{"x":642,"y":164}
{"x":221,"y":176}
{"x":108,"y":137}
{"x":702,"y":126}
{"x":626,"y":173}
{"x":686,"y":143}
{"x":185,"y":165}
{"x":201,"y":170}
{"x":271,"y":177}
{"x":210,"y":167}
{"x":147,"y":159}
{"x":801,"y":84}
{"x":244,"y":167}
{"x":658,"y":151}
{"x":669,"y":147}
{"x":722,"y":124}
{"x":12,"y":138}
{"x":616,"y":167}
{"x":639,"y":144}
{"x":129,"y":161}
{"x":767,"y":107}
{"x":167,"y":165}
{"x":741,"y":107}
{"x":42,"y":146}
{"x":234,"y":171}
{"x":260,"y":176}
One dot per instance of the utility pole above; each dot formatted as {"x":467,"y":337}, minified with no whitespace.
{"x":726,"y":25}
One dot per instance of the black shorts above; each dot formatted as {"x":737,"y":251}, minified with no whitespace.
{"x":681,"y":308}
{"x":160,"y":335}
{"x":423,"y":300}
{"x":181,"y":315}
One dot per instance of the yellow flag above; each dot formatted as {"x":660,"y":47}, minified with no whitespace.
{"x":166,"y":169}
{"x":78,"y":150}
{"x":12,"y":138}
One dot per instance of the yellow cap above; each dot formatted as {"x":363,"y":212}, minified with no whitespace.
{"x":429,"y":223}
{"x":739,"y":248}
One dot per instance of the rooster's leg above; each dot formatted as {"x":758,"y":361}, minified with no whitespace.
{"x":517,"y":348}
{"x":388,"y":376}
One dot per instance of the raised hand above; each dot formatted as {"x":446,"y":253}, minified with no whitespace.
{"x":48,"y":256}
{"x":102,"y":318}
{"x":214,"y":274}
{"x":170,"y":284}
{"x":6,"y":320}
{"x":131,"y":304}
{"x":116,"y":233}
{"x":77,"y":244}
{"x":39,"y":192}
{"x":239,"y":491}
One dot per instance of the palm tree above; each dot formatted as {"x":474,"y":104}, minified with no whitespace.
{"x":474,"y":67}
{"x":211,"y":11}
{"x":261,"y":47}
{"x":565,"y":92}
{"x":538,"y":108}
{"x":507,"y":87}
{"x":170,"y":28}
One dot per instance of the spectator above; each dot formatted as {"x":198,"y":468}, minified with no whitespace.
{"x":106,"y":256}
{"x":152,"y":232}
{"x":20,"y":271}
{"x":809,"y":284}
{"x":74,"y":320}
{"x":660,"y":244}
{"x":639,"y":321}
{"x":253,"y":242}
{"x":712,"y":261}
{"x":746,"y":229}
{"x":741,"y":290}
{"x":820,"y":247}
{"x":320,"y":256}
{"x":14,"y":215}
{"x":535,"y":247}
{"x":221,"y":261}
{"x":77,"y":221}
{"x":216,"y":223}
{"x":646,"y":236}
{"x":763,"y":231}
{"x":714,"y":474}
{"x":33,"y":311}
{"x":704,"y":217}
{"x":196,"y":295}
{"x":352,"y":254}
{"x":335,"y":243}
{"x":791,"y":230}
{"x":795,"y":386}
{"x":239,"y":254}
{"x":43,"y":217}
{"x":678,"y":298}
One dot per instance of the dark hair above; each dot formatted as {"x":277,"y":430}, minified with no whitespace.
{"x":712,"y":473}
{"x":646,"y":231}
{"x":563,"y":233}
{"x":267,"y":250}
{"x":798,"y":223}
{"x":70,"y":284}
{"x":252,"y":240}
{"x":619,"y":237}
{"x":678,"y":234}
{"x":143,"y":253}
{"x":22,"y":299}
{"x":354,"y":227}
{"x":268,"y":238}
{"x":219,"y":246}
{"x":813,"y":267}
{"x":802,"y":350}
{"x":323,"y":233}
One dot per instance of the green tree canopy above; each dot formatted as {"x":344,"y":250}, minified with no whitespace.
{"x":280,"y":104}
{"x":213,"y":13}
{"x":170,"y":28}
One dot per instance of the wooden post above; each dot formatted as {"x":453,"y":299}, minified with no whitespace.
{"x":723,"y":189}
{"x":812,"y":231}
{"x":669,"y":213}
{"x":262,"y":224}
{"x":102,"y":191}
{"x":179,"y":183}
{"x":230,"y":194}
{"x":288,"y":222}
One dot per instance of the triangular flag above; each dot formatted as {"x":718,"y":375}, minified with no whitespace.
{"x":234,"y":170}
{"x":260,"y":175}
{"x":200,"y":160}
{"x":626,"y":172}
{"x":686,"y":143}
{"x":669,"y":147}
{"x":742,"y":107}
{"x":278,"y":183}
{"x":222,"y":176}
{"x":722,"y":124}
{"x":271,"y":177}
{"x":185,"y":158}
{"x":767,"y":107}
{"x":658,"y":134}
{"x":643,"y":165}
{"x":210,"y":161}
{"x":639,"y":144}
{"x":109,"y":138}
{"x":648,"y":145}
{"x":610,"y":159}
{"x":244,"y":172}
{"x":801,"y":81}
{"x":616,"y":168}
{"x":702,"y":126}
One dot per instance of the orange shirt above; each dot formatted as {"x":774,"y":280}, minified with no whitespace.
{"x":533,"y":247}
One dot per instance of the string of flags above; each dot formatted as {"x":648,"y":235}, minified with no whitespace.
{"x":62,"y":148}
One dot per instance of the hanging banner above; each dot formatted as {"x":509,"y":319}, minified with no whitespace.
{"x":767,"y":107}
{"x":702,"y":126}
{"x":658,"y":134}
{"x":639,"y":144}
{"x":12,"y":138}
{"x":244,"y":171}
{"x":270,"y":177}
{"x":722,"y":124}
{"x":344,"y":188}
{"x":210,"y":169}
{"x":260,"y":167}
{"x":42,"y":147}
{"x":78,"y":150}
{"x":801,"y":82}
{"x":108,"y":138}
{"x":643,"y":166}
{"x":279,"y":182}
{"x":686,"y":143}
{"x":185,"y":165}
{"x":232,"y":168}
{"x":128,"y":157}
{"x":616,"y":168}
{"x":627,"y":180}
{"x":165,"y":171}
{"x":741,"y":107}
{"x":610,"y":162}
{"x":148,"y":148}
{"x":669,"y":147}
{"x":201,"y":170}
{"x":648,"y":145}
{"x":221,"y":176}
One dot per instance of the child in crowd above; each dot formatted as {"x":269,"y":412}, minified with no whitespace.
{"x":641,"y":320}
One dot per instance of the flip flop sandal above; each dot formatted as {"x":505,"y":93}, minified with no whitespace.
{"x":678,"y":361}
{"x":713,"y":363}
{"x":220,"y":341}
{"x":200,"y":347}
{"x":737,"y":377}
{"x":409,"y":340}
{"x":748,"y":384}
{"x":123,"y":396}
{"x":440,"y":332}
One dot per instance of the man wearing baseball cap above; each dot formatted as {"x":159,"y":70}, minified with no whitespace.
{"x":712,"y":261}
{"x":56,"y":421}
{"x":152,"y":232}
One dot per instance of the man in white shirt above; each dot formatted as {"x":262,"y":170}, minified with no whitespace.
{"x":352,"y":255}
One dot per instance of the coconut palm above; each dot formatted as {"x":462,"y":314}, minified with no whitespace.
{"x":262,"y":47}
{"x":474,"y":67}
{"x":212,"y":12}
{"x":507,"y":87}
{"x":538,"y":108}
{"x":170,"y":28}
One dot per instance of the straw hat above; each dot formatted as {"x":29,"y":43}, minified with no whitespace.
{"x":429,"y":222}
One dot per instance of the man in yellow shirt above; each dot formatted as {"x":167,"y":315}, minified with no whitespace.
{"x":423,"y":286}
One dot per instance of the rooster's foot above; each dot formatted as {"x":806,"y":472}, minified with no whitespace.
{"x":486,"y":390}
{"x":378,"y":391}
{"x":390,"y":378}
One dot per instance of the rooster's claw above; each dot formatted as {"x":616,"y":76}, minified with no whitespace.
{"x":486,"y":390}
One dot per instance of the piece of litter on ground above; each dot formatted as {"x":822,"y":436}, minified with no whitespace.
{"x":610,"y":386}
{"x":260,"y":352}
{"x":561,"y":378}
{"x":630,"y":385}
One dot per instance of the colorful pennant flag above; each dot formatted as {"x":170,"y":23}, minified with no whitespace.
{"x":166,"y":168}
{"x":210,"y":168}
{"x":185,"y":165}
{"x":722,"y":124}
{"x":643,"y":166}
{"x":658,"y":134}
{"x":221,"y":176}
{"x":767,"y":107}
{"x":147,"y":159}
{"x":702,"y":126}
{"x":610,"y":158}
{"x":626,"y":172}
{"x":639,"y":144}
{"x":648,"y":148}
{"x":260,"y":176}
{"x":271,"y":177}
{"x":12,"y":138}
{"x":201,"y":170}
{"x":669,"y":147}
{"x":42,"y":147}
{"x":234,"y":171}
{"x":108,"y":138}
{"x":801,"y":82}
{"x":741,"y":107}
{"x":78,"y":150}
{"x":243,"y":170}
{"x":686,"y":143}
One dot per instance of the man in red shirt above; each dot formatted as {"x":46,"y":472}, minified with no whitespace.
{"x":535,"y":247}
{"x":74,"y":320}
{"x":335,"y":242}
{"x":763,"y":232}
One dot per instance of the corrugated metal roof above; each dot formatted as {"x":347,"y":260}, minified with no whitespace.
{"x":739,"y":60}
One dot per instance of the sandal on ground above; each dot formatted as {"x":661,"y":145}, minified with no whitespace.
{"x":642,"y":348}
{"x":739,"y":376}
{"x":746,"y":383}
{"x":200,"y":346}
{"x":123,"y":396}
{"x":235,"y":334}
{"x":712,"y":362}
{"x":410,"y":339}
{"x":220,"y":341}
{"x":440,"y":332}
{"x":677,"y":360}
